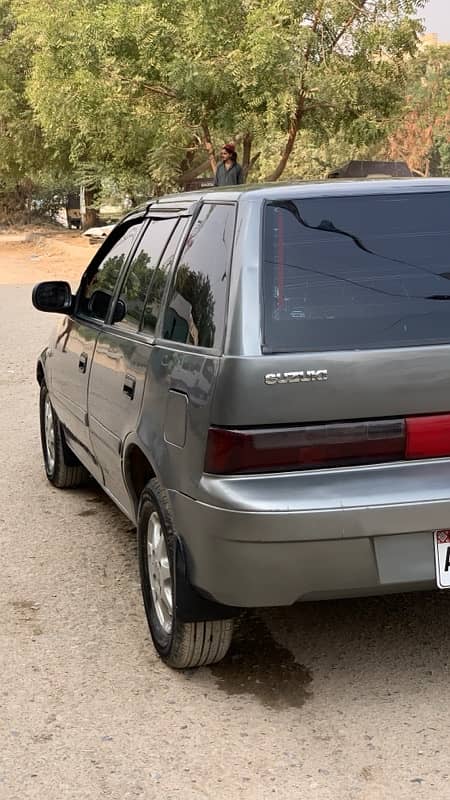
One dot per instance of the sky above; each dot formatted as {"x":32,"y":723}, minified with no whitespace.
{"x":437,"y":18}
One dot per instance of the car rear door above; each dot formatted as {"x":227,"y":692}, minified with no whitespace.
{"x":124,"y":346}
{"x":185,"y":357}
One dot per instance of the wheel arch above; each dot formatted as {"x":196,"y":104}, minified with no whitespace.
{"x":40,"y":374}
{"x":191,"y":605}
{"x":138,"y":471}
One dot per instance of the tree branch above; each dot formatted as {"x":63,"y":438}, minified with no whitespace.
{"x":209,"y":146}
{"x":358,"y":8}
{"x":253,"y":161}
{"x":300,"y":108}
{"x":150,"y":88}
{"x":161,"y":90}
{"x":292,"y":133}
{"x":247,"y":149}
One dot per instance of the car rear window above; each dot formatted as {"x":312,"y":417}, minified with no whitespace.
{"x":356,"y":272}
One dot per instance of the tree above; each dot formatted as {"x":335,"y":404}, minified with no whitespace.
{"x":421,"y":135}
{"x":19,"y":138}
{"x":196,"y":287}
{"x":29,"y":164}
{"x":141,"y":90}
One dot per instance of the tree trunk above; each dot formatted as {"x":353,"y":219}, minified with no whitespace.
{"x":253,"y":160}
{"x":209,"y":147}
{"x":292,"y":134}
{"x":190,"y":174}
{"x":15,"y":204}
{"x":246,"y":154}
{"x":89,"y":214}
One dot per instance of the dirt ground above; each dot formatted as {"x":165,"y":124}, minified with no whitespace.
{"x":31,"y":254}
{"x":321,"y":701}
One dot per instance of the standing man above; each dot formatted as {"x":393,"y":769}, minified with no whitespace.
{"x":228,"y":171}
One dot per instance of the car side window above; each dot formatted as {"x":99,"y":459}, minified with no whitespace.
{"x":161,"y":276}
{"x":142,"y":272}
{"x":195,"y":312}
{"x":98,"y":288}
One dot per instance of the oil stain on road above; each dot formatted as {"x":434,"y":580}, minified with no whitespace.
{"x":257,"y":665}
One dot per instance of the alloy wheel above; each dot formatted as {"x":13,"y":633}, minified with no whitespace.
{"x":159,"y":573}
{"x":49,"y":430}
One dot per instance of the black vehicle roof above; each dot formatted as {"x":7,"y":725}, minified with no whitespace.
{"x":324,"y":188}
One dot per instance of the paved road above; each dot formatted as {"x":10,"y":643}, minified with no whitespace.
{"x":337,"y":701}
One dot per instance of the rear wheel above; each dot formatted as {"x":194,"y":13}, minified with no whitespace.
{"x":61,"y":465}
{"x":180,"y":644}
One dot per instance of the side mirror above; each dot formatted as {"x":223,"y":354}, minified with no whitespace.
{"x":99,"y":304}
{"x":53,"y":296}
{"x":119,"y":311}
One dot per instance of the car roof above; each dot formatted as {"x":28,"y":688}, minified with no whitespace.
{"x":325,"y":188}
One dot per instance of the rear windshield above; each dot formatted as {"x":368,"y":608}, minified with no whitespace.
{"x":356,"y":272}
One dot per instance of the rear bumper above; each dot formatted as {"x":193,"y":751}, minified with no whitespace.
{"x":251,"y":559}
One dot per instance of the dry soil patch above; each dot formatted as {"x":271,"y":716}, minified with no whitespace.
{"x":32,"y":254}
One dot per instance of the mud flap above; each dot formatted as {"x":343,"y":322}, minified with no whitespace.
{"x":190,"y":605}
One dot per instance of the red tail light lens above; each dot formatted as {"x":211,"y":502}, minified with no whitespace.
{"x":428,"y":437}
{"x":309,"y":447}
{"x":231,"y":451}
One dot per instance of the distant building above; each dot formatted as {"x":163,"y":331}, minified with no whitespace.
{"x":431,"y":40}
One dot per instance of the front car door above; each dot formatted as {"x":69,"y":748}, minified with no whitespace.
{"x":73,"y":346}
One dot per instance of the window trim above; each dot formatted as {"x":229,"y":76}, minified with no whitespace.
{"x":129,"y":265}
{"x":99,"y":256}
{"x":141,"y":333}
{"x":169,"y":278}
{"x":184,"y":346}
{"x":167,"y":289}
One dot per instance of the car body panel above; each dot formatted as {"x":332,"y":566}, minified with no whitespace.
{"x":68,"y":365}
{"x":271,"y":538}
{"x":193,"y":376}
{"x":359,"y":385}
{"x":113,"y":414}
{"x":252,"y":559}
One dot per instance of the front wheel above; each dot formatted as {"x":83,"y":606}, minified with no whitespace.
{"x":180,"y":644}
{"x":61,"y":465}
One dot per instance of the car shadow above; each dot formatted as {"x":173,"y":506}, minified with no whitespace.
{"x":284,"y":657}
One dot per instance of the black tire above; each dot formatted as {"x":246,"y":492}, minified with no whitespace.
{"x":62,"y":467}
{"x":181,"y":645}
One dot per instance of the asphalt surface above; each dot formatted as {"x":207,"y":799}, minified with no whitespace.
{"x":337,"y":701}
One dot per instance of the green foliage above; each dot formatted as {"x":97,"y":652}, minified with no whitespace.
{"x":130,"y":90}
{"x":27,"y":157}
{"x":197,"y":287}
{"x":420,"y":135}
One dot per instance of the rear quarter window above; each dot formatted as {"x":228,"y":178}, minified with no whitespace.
{"x":356,"y":272}
{"x":195,"y":312}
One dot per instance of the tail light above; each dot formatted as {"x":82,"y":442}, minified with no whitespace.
{"x":428,"y":437}
{"x":238,"y":451}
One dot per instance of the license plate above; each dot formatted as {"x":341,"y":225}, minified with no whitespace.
{"x":442,"y":558}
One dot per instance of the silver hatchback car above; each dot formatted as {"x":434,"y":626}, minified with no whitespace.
{"x":258,"y":378}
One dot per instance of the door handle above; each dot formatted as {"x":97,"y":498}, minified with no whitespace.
{"x":82,"y":364}
{"x":129,"y":386}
